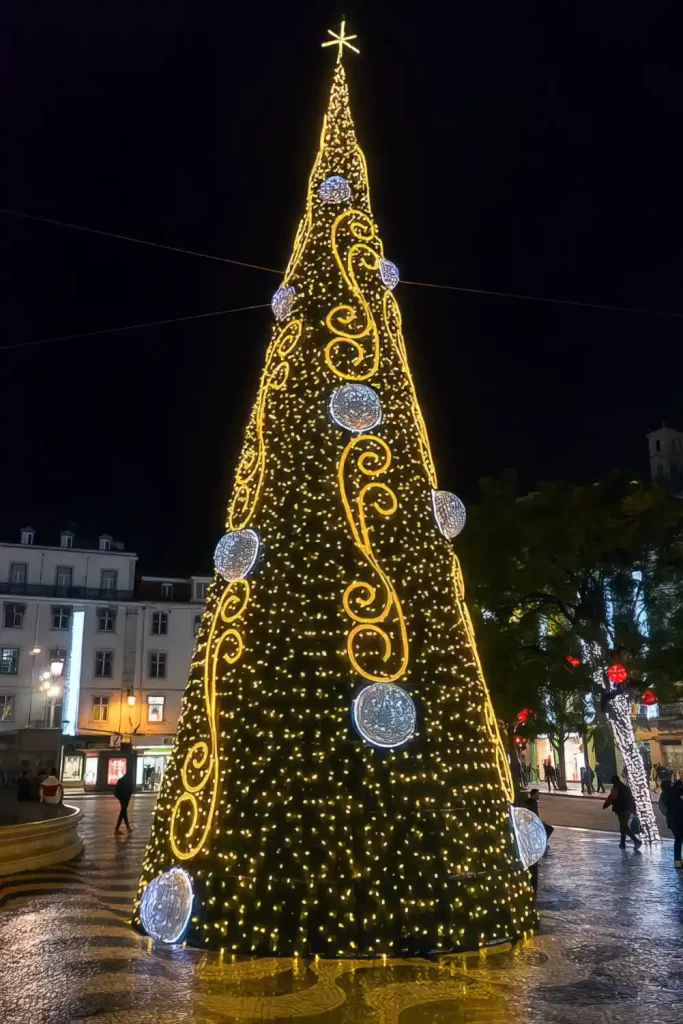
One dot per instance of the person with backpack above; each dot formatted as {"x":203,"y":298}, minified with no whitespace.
{"x":621,"y":801}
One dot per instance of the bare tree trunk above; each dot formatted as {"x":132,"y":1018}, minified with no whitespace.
{"x":515,"y":766}
{"x":560,"y":766}
{"x":586,"y":759}
{"x":619,"y":715}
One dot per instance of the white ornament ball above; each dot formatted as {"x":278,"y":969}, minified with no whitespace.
{"x":236,"y":554}
{"x":356,"y":407}
{"x":166,"y":905}
{"x":282,"y":301}
{"x":449,"y":513}
{"x":335,"y":189}
{"x":388,"y":271}
{"x":530,"y":835}
{"x":384,"y":715}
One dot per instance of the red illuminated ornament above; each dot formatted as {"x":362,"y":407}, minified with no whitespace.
{"x":617,"y":673}
{"x":524,"y":714}
{"x":648,"y":697}
{"x":572,"y":660}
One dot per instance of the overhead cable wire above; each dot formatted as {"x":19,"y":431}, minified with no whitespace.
{"x":138,"y":241}
{"x":541,"y":298}
{"x":132,"y":327}
{"x":549,"y":300}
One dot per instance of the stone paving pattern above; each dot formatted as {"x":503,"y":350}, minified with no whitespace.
{"x":609,"y":950}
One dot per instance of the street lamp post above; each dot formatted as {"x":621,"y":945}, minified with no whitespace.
{"x":52,"y":689}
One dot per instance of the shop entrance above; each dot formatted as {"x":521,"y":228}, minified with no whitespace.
{"x":150,"y":771}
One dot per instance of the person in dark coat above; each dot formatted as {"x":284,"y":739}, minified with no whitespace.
{"x":674,"y":818}
{"x":621,"y":801}
{"x":550,"y":774}
{"x":123,"y":791}
{"x":24,"y":788}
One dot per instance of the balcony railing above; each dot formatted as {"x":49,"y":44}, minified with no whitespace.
{"x":671,"y":710}
{"x":65,"y":593}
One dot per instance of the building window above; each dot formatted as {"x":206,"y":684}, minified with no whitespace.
{"x":658,"y":446}
{"x":104,"y":664}
{"x":64,"y":576}
{"x":106,"y":620}
{"x":108,"y":579}
{"x":197,"y":623}
{"x":200,"y":587}
{"x":167,"y":591}
{"x":155,"y":709}
{"x":27,"y":536}
{"x":61,"y":616}
{"x":18,"y":572}
{"x":60,"y":654}
{"x":159,"y":623}
{"x":157,"y":665}
{"x":105,"y":543}
{"x":66,"y":540}
{"x":14,"y":616}
{"x":6,"y":707}
{"x":9,"y":661}
{"x":100,"y":709}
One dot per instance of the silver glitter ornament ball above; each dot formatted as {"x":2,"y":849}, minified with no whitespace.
{"x":388,"y":271}
{"x":449,"y":513}
{"x":384,"y":715}
{"x":335,"y":189}
{"x":529,"y":833}
{"x":166,"y":905}
{"x":282,"y":302}
{"x":356,"y":407}
{"x":236,"y":554}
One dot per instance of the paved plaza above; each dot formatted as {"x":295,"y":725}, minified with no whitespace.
{"x":609,"y":950}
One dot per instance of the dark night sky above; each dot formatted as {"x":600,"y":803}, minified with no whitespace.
{"x":519,"y":147}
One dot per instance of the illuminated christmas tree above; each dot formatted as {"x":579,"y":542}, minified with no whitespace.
{"x":338,"y":784}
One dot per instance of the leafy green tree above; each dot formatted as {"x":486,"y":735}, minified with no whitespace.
{"x":590,"y":571}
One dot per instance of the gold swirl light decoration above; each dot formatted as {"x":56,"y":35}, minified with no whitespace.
{"x":190,"y":821}
{"x":374,"y":607}
{"x":251,"y":467}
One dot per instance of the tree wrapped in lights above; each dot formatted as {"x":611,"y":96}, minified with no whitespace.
{"x":338,"y":785}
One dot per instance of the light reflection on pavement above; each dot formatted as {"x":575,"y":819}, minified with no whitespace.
{"x":609,"y":950}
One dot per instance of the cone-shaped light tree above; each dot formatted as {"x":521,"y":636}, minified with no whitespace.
{"x":338,"y":784}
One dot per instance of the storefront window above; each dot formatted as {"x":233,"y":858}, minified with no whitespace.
{"x":150,"y":771}
{"x":90,"y":777}
{"x":73,"y":767}
{"x":115,"y":769}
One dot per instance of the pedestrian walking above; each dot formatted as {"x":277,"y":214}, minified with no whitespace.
{"x":599,"y":787}
{"x":621,"y":801}
{"x":123,"y":790}
{"x":672,"y":799}
{"x":550,"y":774}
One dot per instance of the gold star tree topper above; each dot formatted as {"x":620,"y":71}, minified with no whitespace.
{"x":341,"y":40}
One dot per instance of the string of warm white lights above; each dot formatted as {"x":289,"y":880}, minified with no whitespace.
{"x":338,"y":784}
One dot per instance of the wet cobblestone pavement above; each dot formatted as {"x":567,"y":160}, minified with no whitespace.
{"x":610,"y":950}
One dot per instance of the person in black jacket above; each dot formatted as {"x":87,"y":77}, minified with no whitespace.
{"x":621,"y":801}
{"x":674,"y":818}
{"x":123,"y":790}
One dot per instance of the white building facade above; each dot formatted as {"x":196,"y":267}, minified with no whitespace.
{"x":92,"y":656}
